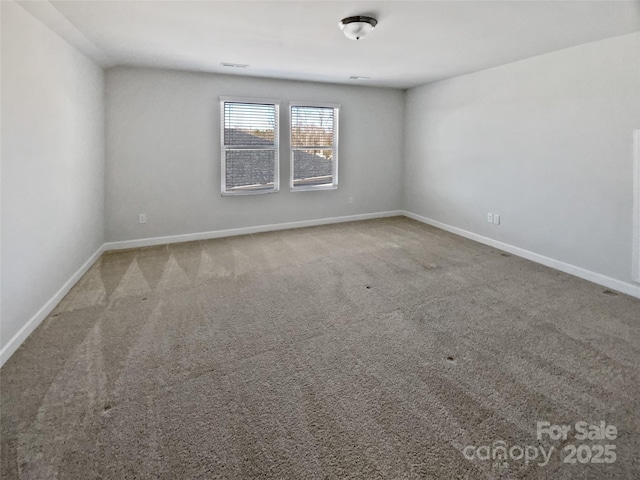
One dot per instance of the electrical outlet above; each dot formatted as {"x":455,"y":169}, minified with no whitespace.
{"x":350,"y":200}
{"x":496,"y":219}
{"x":490,"y":217}
{"x":142,"y":218}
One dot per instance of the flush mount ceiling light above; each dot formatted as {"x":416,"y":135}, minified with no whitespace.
{"x":357,"y":27}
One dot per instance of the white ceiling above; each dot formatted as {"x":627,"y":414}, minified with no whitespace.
{"x":415,"y":42}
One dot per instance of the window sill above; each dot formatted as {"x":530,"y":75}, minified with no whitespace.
{"x":251,"y":192}
{"x":313,"y":189}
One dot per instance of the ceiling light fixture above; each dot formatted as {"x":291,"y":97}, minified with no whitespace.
{"x":357,"y":27}
{"x":355,"y":77}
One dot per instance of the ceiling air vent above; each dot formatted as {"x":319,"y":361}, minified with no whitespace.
{"x":234,"y":65}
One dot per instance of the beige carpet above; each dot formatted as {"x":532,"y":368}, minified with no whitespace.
{"x":377,"y":349}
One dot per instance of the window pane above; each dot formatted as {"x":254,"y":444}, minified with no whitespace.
{"x":235,"y":137}
{"x":247,"y":170}
{"x":312,"y":126}
{"x":312,"y":167}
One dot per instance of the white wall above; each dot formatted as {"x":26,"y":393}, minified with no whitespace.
{"x":545,"y":142}
{"x":52,"y":167}
{"x":163,"y":153}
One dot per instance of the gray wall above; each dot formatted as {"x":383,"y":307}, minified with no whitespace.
{"x":163,"y":153}
{"x":52,"y":165}
{"x":545,"y":142}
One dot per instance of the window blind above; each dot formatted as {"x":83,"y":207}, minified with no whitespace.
{"x":249,"y":147}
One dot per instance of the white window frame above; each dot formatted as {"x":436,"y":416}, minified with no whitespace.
{"x":275,"y":147}
{"x":334,"y":147}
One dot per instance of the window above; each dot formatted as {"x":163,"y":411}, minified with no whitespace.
{"x":249,"y":146}
{"x":314,"y":146}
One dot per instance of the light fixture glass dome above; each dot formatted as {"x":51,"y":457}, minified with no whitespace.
{"x":357,"y":27}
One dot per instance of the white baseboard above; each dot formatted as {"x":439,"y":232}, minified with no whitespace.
{"x":30,"y":326}
{"x":46,"y":309}
{"x":614,"y":284}
{"x":636,"y":205}
{"x":190,"y":237}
